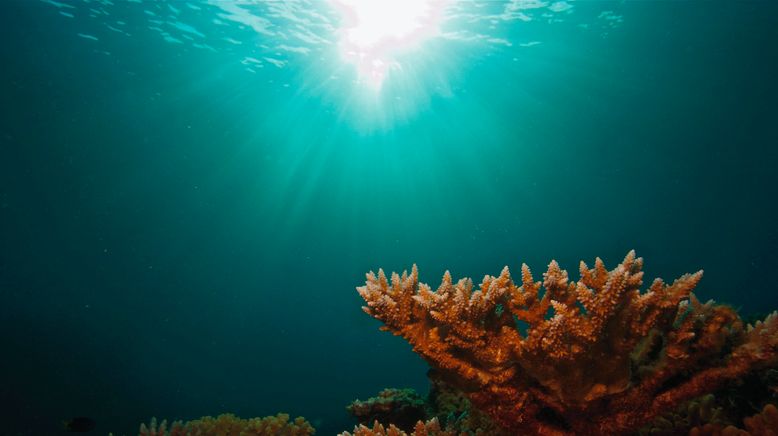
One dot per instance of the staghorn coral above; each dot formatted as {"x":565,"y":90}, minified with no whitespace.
{"x":161,"y":429}
{"x":598,"y":356}
{"x":429,"y":428}
{"x":230,"y":425}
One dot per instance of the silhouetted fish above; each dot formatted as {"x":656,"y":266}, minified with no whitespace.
{"x":80,"y":424}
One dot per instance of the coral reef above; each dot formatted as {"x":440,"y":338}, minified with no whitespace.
{"x":401,"y":407}
{"x":429,"y":428}
{"x":453,"y":409}
{"x":589,"y":357}
{"x":698,"y":412}
{"x":230,"y":425}
{"x":733,"y":405}
{"x":764,"y":423}
{"x":404,"y":408}
{"x":748,"y":395}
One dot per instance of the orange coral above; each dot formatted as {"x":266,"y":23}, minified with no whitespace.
{"x":598,"y":356}
{"x":429,"y":428}
{"x":697,"y":413}
{"x":231,"y":425}
{"x":764,"y":423}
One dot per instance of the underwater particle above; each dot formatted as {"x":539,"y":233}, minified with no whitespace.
{"x":79,"y":424}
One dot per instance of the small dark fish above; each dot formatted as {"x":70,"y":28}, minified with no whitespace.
{"x":79,"y":424}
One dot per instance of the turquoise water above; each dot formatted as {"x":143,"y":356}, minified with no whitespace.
{"x":190,"y":191}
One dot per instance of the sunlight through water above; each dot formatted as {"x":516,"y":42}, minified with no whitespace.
{"x":374,"y":33}
{"x":375,"y":64}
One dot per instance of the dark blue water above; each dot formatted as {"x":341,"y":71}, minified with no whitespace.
{"x":182,"y":229}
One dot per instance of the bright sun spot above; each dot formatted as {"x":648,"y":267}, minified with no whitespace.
{"x":374,"y":32}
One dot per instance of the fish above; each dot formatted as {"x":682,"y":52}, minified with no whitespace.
{"x":79,"y":424}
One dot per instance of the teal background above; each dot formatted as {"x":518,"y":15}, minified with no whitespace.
{"x":181,"y":237}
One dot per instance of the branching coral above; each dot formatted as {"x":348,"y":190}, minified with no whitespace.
{"x":231,"y":425}
{"x":429,"y":428}
{"x":588,"y":357}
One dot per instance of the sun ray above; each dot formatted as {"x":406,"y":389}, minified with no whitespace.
{"x":375,"y":33}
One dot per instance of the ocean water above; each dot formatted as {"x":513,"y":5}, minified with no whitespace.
{"x":190,"y":191}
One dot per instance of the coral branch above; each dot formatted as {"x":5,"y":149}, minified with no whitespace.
{"x":429,"y":428}
{"x":597,"y":356}
{"x":229,"y":424}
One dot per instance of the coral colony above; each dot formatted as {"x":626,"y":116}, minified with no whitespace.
{"x":560,"y":357}
{"x":598,"y":356}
